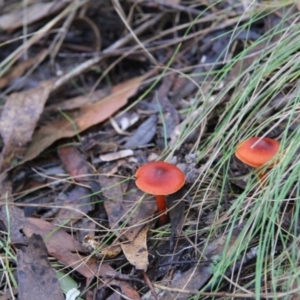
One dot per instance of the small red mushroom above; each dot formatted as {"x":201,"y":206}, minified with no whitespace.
{"x":160,"y":179}
{"x":257,"y":152}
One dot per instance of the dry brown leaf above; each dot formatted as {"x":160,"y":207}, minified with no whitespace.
{"x":136,"y":250}
{"x":100,"y":251}
{"x":61,"y":245}
{"x":123,"y":207}
{"x":110,"y":276}
{"x":79,"y":101}
{"x":36,"y":279}
{"x":11,"y":216}
{"x":86,"y":117}
{"x":75,"y":205}
{"x":32,"y":13}
{"x":20,"y":69}
{"x":18,"y":121}
{"x":14,"y":220}
{"x":74,"y":163}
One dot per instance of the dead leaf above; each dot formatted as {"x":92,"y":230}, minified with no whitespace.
{"x":136,"y":250}
{"x":144,"y":134}
{"x":86,"y":117}
{"x":110,"y":278}
{"x":176,"y":213}
{"x":125,"y":214}
{"x":32,"y":13}
{"x":79,"y":101}
{"x":194,"y":278}
{"x":123,"y":208}
{"x":14,"y":221}
{"x":20,"y":69}
{"x":11,"y":216}
{"x":105,"y":252}
{"x":18,"y":121}
{"x":74,"y":163}
{"x":75,"y":205}
{"x":36,"y":279}
{"x":61,"y":245}
{"x":170,"y":114}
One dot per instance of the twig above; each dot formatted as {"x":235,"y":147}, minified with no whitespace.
{"x":13,"y":57}
{"x":150,"y":285}
{"x":89,"y":63}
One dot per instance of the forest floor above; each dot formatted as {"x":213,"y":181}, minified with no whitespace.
{"x":93,"y":90}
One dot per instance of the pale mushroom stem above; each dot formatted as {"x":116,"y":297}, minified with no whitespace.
{"x":162,"y":207}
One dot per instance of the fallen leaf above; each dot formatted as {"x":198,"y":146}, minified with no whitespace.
{"x":61,"y":245}
{"x":86,"y":117}
{"x":36,"y":279}
{"x":194,"y":278}
{"x":79,"y":101}
{"x":12,"y":216}
{"x":75,"y":205}
{"x":20,"y":69}
{"x":18,"y":120}
{"x":32,"y":13}
{"x":136,"y":250}
{"x":170,"y":116}
{"x":127,"y":216}
{"x":124,"y":211}
{"x":111,"y":278}
{"x":176,"y":208}
{"x":144,"y":134}
{"x":74,"y":163}
{"x":103,"y":252}
{"x":14,"y":221}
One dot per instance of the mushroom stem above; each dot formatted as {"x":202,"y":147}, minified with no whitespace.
{"x":262,"y":175}
{"x":162,"y":207}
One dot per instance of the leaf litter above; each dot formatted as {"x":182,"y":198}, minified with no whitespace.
{"x":87,"y":118}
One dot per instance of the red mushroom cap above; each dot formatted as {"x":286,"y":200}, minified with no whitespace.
{"x":159,"y":178}
{"x":257,"y":151}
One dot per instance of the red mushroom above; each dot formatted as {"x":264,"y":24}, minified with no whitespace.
{"x":160,"y":179}
{"x":257,"y":152}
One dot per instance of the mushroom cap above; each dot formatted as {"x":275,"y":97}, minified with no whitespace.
{"x":159,"y":178}
{"x":257,"y":151}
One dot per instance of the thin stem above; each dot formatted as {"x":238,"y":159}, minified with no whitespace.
{"x":161,"y":208}
{"x":262,"y":176}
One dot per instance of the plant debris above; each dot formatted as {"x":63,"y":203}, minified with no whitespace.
{"x":93,"y":90}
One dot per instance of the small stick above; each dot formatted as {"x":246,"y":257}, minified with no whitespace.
{"x":150,"y":285}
